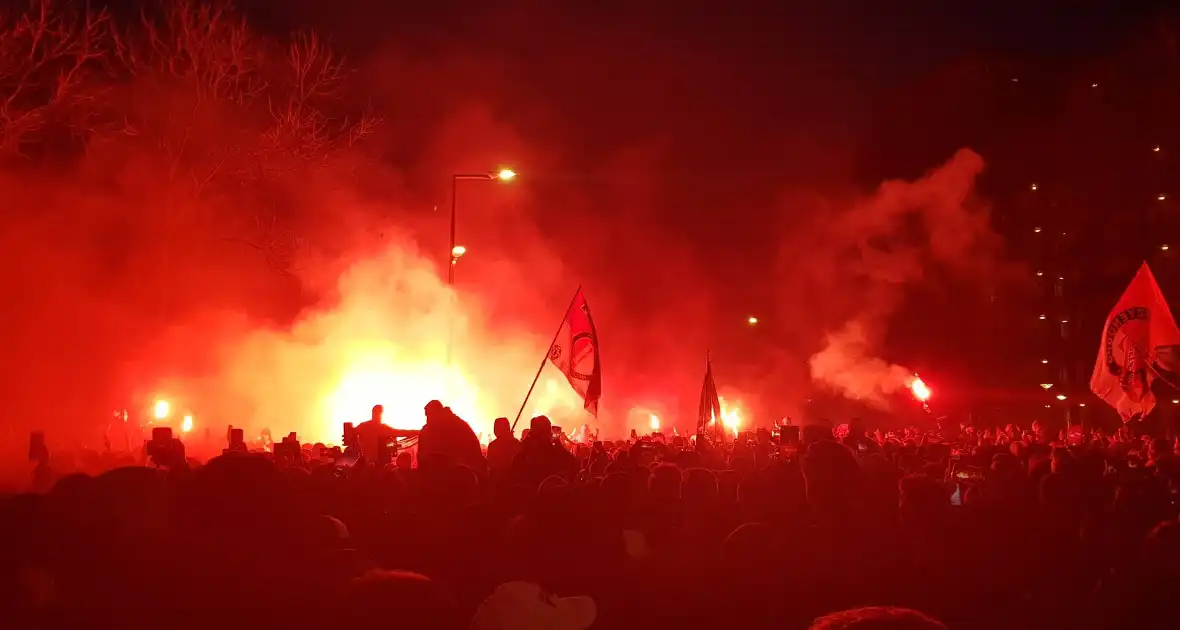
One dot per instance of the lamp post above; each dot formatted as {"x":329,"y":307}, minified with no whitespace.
{"x":454,"y":252}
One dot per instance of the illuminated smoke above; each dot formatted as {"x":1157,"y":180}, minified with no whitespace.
{"x":879,"y":248}
{"x":848,"y":366}
{"x":385,"y":342}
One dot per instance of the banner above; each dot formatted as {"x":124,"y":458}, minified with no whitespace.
{"x":575,"y":353}
{"x":1139,"y":344}
{"x":710,"y":408}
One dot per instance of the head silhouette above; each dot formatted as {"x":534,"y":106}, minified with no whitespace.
{"x":540,"y":428}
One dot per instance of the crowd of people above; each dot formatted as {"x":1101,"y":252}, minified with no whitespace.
{"x":826,"y":528}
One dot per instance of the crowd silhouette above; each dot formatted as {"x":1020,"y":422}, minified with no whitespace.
{"x":997,"y":528}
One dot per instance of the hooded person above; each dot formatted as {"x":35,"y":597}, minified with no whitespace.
{"x":447,"y":438}
{"x":503,"y":448}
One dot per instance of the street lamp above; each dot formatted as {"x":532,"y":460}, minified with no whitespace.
{"x":453,"y":250}
{"x":456,"y":251}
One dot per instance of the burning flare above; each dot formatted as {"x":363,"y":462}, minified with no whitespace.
{"x":920,"y":389}
{"x":161,"y":409}
{"x":186,"y":425}
{"x":655,"y":423}
{"x":731,"y":416}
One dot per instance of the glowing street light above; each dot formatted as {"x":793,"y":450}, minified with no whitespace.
{"x":751,"y":320}
{"x":455,"y":251}
{"x":1046,"y":386}
{"x":503,"y":175}
{"x":1044,"y":360}
{"x":1060,"y":396}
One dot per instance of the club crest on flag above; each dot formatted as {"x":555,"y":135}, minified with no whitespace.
{"x":1128,"y":331}
{"x":1138,"y":346}
{"x":574,"y":351}
{"x":582,"y":363}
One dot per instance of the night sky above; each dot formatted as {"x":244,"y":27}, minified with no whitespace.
{"x":681,"y":163}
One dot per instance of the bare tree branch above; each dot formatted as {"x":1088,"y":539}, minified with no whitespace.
{"x":48,"y":50}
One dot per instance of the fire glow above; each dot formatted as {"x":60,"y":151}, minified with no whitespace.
{"x":394,"y":335}
{"x":920,"y":390}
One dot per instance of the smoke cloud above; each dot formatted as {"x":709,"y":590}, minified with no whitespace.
{"x":927,"y":230}
{"x":279,"y":260}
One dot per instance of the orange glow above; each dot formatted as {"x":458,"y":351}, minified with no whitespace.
{"x":161,"y":409}
{"x":403,"y":389}
{"x":920,"y":389}
{"x":731,"y":416}
{"x":506,"y":175}
{"x":655,"y":423}
{"x":752,"y":320}
{"x":187,"y":424}
{"x":458,"y":251}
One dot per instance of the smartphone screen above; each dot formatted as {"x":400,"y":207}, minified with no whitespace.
{"x":957,"y":496}
{"x":963,"y":472}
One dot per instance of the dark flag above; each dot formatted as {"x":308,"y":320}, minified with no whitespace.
{"x":575,"y":353}
{"x":710,"y":407}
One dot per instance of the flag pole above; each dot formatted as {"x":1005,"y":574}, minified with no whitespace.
{"x":545,"y":358}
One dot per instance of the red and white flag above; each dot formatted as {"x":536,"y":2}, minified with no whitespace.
{"x":575,"y":353}
{"x":1139,"y":343}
